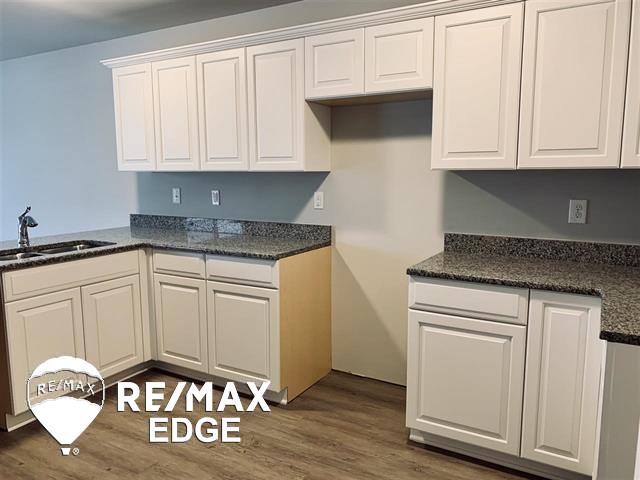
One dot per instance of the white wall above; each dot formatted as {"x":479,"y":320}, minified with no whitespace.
{"x":389,"y":210}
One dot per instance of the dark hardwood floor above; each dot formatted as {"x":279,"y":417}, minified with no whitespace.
{"x":345,"y":427}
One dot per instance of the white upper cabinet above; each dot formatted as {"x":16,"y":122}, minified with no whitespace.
{"x":133,"y":106}
{"x":222,"y":107}
{"x":176,"y":114}
{"x":573,"y":81}
{"x":399,"y":56}
{"x":334,"y":64}
{"x":285,"y":133}
{"x":631,"y":136}
{"x":476,"y":88}
{"x":562,"y":383}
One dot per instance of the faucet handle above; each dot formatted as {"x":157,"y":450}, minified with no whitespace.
{"x":24,"y":214}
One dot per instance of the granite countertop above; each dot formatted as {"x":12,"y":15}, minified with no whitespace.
{"x":612,"y":272}
{"x":263,"y":240}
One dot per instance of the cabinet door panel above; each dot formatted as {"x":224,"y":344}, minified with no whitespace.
{"x":243,"y":333}
{"x":573,"y":79}
{"x":38,"y":329}
{"x":276,"y":105}
{"x":222,"y":102}
{"x":176,"y":117}
{"x":564,"y":357}
{"x":133,"y":108}
{"x":476,"y":88}
{"x":631,"y":136}
{"x":334,"y":64}
{"x":113,"y":324}
{"x":399,"y":56}
{"x":181,"y":321}
{"x":465,"y":379}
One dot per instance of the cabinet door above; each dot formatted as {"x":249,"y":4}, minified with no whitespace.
{"x":334,"y":64}
{"x":465,"y":379}
{"x":399,"y":56}
{"x":222,"y":107}
{"x":244,"y":333}
{"x":276,"y":105}
{"x":573,"y":79}
{"x":631,"y":136}
{"x":112,"y":317}
{"x":176,"y":114}
{"x":476,"y":87}
{"x":133,"y":108}
{"x":564,"y":359}
{"x":181,"y":321}
{"x":38,"y":329}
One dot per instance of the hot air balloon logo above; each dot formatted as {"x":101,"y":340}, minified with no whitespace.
{"x":65,"y":394}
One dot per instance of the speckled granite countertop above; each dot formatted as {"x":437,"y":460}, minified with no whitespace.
{"x":265,"y":240}
{"x":609,"y":271}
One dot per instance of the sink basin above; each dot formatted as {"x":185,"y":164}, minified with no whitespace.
{"x":18,"y":256}
{"x":72,"y":247}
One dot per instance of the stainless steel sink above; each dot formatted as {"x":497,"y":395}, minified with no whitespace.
{"x":18,"y":256}
{"x":72,"y":247}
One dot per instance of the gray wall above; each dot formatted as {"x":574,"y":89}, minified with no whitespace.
{"x":389,"y":210}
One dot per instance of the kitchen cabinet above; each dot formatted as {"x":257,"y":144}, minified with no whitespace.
{"x":243,"y":324}
{"x":222,"y":108}
{"x":573,"y":83}
{"x":40,"y":328}
{"x":112,"y":316}
{"x":631,"y":135}
{"x":562,"y":386}
{"x":334,"y":64}
{"x":176,"y":114}
{"x":476,"y":86}
{"x":285,"y":132}
{"x":399,"y":56}
{"x":181,"y":321}
{"x":133,"y":108}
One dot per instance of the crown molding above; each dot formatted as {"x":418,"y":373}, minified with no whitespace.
{"x":429,"y":9}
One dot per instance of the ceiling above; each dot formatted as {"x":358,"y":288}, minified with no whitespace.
{"x":28,"y":27}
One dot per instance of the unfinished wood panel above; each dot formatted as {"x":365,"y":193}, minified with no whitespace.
{"x":305,"y":319}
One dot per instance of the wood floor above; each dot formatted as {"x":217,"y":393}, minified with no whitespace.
{"x":345,"y":427}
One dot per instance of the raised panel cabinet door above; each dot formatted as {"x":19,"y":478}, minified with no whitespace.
{"x":244,"y":333}
{"x":562,"y":385}
{"x":276,"y":105}
{"x":334,"y":64}
{"x":181,"y":321}
{"x":222,"y":107}
{"x":399,"y":56}
{"x":573,"y":81}
{"x":631,"y":135}
{"x":176,"y":114}
{"x":112,"y":316}
{"x":133,"y":108}
{"x":465,"y":379}
{"x":40,"y":328}
{"x":476,"y":89}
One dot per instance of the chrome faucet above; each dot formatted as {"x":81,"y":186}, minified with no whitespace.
{"x":25,"y":222}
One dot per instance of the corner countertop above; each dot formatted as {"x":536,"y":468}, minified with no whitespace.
{"x":617,"y":284}
{"x":268,"y":247}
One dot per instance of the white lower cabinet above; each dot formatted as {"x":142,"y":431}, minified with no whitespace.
{"x":113,"y":324}
{"x":244,"y":333}
{"x":564,"y":359}
{"x":181,"y":321}
{"x":465,"y":379}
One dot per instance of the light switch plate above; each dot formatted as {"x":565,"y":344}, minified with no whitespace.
{"x":215,"y":197}
{"x":318,"y":200}
{"x":176,"y":197}
{"x":577,"y":211}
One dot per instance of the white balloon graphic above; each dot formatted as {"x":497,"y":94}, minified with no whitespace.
{"x":64,"y":417}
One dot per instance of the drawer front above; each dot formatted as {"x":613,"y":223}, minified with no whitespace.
{"x":51,"y":278}
{"x":251,"y":271}
{"x":184,"y":264}
{"x":475,"y":300}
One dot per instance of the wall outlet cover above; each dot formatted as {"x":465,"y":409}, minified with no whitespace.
{"x":318,"y":200}
{"x":176,"y":196}
{"x":215,"y":197}
{"x":577,"y":211}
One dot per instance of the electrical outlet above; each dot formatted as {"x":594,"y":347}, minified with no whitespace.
{"x":318,"y":200}
{"x":175,"y":195}
{"x":577,"y":211}
{"x":215,"y":197}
